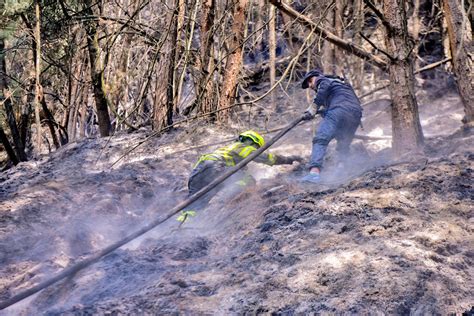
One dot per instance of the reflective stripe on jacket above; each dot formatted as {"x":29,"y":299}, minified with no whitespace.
{"x":235,"y":153}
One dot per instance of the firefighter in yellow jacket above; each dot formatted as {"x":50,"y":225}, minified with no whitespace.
{"x":210,"y":166}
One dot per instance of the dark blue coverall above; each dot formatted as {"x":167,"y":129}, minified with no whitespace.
{"x":341,"y":112}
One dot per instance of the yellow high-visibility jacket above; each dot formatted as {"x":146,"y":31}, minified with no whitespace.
{"x":234,"y":153}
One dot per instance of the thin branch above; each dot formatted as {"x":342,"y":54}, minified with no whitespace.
{"x":376,"y":48}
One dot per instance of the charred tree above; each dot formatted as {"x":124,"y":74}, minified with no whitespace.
{"x":272,"y":46}
{"x":461,"y":47}
{"x":206,"y":87}
{"x":49,"y":119}
{"x":7,"y":105}
{"x":164,"y":92}
{"x":96,"y":71}
{"x":406,"y":127}
{"x":8,"y":147}
{"x":338,"y":29}
{"x":38,"y":90}
{"x":234,"y":58}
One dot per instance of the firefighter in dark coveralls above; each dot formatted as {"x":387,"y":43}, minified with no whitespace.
{"x":210,"y":166}
{"x":341,"y":111}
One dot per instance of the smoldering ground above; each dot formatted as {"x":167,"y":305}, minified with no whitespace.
{"x":390,"y":238}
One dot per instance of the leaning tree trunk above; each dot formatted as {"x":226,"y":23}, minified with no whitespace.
{"x":406,"y":127}
{"x":164,"y":97}
{"x":234,"y":59}
{"x":461,"y":46}
{"x":8,"y":147}
{"x":96,"y":71}
{"x":7,"y":105}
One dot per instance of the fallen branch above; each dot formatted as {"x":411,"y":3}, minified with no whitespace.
{"x":377,"y":48}
{"x":330,"y":37}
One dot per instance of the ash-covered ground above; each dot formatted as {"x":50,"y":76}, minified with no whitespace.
{"x":381,"y":236}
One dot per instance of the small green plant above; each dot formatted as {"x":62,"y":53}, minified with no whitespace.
{"x":184,"y":215}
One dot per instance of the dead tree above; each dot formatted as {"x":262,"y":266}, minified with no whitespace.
{"x":164,"y":92}
{"x":234,"y":58}
{"x":7,"y":105}
{"x":37,"y":59}
{"x":96,"y":70}
{"x":461,"y":47}
{"x":206,"y":87}
{"x":8,"y":147}
{"x":329,"y":51}
{"x":272,"y":46}
{"x":338,"y":28}
{"x":406,"y":127}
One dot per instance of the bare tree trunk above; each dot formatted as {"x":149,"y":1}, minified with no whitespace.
{"x":358,"y":75}
{"x":8,"y":147}
{"x":329,"y":57}
{"x":38,"y":90}
{"x":25,"y":131}
{"x":7,"y":105}
{"x":206,"y":88}
{"x":73,"y":106}
{"x":259,"y":30}
{"x":83,"y":114}
{"x":406,"y":128}
{"x":97,"y":72}
{"x":272,"y":47}
{"x":49,"y":119}
{"x":187,"y":55}
{"x":234,"y":59}
{"x":178,"y":52}
{"x":119,"y":95}
{"x":461,"y":47}
{"x":338,"y":30}
{"x":164,"y":92}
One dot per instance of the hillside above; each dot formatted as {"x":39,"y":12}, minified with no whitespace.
{"x":381,"y":236}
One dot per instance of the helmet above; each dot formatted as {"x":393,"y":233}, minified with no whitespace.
{"x":254,"y":136}
{"x":312,"y":73}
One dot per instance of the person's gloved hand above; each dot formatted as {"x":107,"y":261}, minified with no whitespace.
{"x":296,"y":158}
{"x":290,"y":159}
{"x":309,"y":113}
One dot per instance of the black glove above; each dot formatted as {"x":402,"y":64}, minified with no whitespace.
{"x":290,"y":159}
{"x":296,"y":158}
{"x":307,"y":115}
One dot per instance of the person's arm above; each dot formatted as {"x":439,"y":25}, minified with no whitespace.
{"x":273,"y":159}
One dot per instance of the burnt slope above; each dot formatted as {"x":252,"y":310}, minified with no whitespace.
{"x":397,"y":239}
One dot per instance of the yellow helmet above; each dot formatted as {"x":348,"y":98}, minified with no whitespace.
{"x":254,"y":136}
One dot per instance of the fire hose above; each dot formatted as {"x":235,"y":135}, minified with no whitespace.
{"x":73,"y":269}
